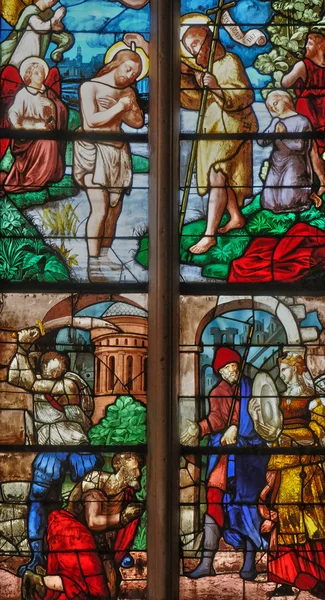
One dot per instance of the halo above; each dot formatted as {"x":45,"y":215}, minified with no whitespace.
{"x":113,"y":50}
{"x":28,"y":61}
{"x":186,"y":22}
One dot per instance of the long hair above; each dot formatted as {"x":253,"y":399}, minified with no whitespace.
{"x":119,"y":58}
{"x":305,"y":379}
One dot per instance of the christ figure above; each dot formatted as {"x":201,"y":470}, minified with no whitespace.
{"x":104,"y":168}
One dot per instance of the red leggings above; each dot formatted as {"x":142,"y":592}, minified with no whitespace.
{"x":215,"y":507}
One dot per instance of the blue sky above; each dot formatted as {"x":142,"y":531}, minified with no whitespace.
{"x":96,"y":24}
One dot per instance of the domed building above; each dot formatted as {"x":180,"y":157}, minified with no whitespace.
{"x":120,"y":356}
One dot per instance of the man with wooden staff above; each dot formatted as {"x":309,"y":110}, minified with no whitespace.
{"x":233,"y":482}
{"x":223,"y":166}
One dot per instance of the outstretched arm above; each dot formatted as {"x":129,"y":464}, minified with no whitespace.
{"x":298,"y":72}
{"x":139,"y":41}
{"x":21,"y":373}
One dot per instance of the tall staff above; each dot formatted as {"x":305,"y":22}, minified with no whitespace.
{"x":217,"y":12}
{"x":241,"y":373}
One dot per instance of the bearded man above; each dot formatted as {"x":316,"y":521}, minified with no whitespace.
{"x":104,"y":168}
{"x":307,"y":77}
{"x":80,"y":564}
{"x":223,"y":167}
{"x":233,"y":482}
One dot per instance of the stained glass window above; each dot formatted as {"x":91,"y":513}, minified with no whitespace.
{"x":252,"y":485}
{"x":251,"y":187}
{"x":74,"y":179}
{"x":219,"y":363}
{"x":75,"y":187}
{"x":73,"y":431}
{"x":252,"y":489}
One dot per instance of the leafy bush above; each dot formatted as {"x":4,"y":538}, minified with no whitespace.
{"x":287,"y":38}
{"x":266,"y":222}
{"x":23,"y":253}
{"x":124,"y":423}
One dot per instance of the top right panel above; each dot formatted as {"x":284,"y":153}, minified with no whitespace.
{"x":252,"y":147}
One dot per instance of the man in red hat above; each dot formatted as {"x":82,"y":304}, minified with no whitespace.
{"x":233,"y":482}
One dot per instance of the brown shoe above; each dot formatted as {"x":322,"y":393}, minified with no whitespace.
{"x":33,"y":583}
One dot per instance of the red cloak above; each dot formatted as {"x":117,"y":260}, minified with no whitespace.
{"x":72,"y":554}
{"x":281,"y":259}
{"x":311,"y":98}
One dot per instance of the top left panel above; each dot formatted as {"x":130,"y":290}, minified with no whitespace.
{"x":74,"y":159}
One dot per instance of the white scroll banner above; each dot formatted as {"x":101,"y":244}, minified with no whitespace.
{"x":248,"y":38}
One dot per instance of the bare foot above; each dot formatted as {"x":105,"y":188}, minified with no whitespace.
{"x":321,"y":191}
{"x":203,"y":245}
{"x":316,"y":199}
{"x":236,"y":223}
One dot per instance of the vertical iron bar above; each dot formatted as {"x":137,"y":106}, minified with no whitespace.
{"x":163,"y":440}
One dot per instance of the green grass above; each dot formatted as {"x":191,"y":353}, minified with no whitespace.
{"x":24,"y":256}
{"x":216,"y":263}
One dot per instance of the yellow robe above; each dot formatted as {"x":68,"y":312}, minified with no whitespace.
{"x":233,"y":114}
{"x":300,"y":498}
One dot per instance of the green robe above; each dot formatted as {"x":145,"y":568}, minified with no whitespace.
{"x":62,"y":39}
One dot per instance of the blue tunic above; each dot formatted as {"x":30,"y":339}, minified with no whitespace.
{"x":246,"y":477}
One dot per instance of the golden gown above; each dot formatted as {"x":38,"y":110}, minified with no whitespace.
{"x":297,"y":547}
{"x":233,"y":113}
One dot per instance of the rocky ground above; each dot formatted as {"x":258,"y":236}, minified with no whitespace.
{"x":225,"y":586}
{"x":133,"y":586}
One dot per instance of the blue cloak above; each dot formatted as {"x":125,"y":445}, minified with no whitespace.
{"x":246,"y":477}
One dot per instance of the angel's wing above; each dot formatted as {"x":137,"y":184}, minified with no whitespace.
{"x":10,"y":83}
{"x":53,"y":81}
{"x":11,"y":9}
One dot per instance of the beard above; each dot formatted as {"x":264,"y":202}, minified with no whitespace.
{"x":310,"y":52}
{"x":121,"y":81}
{"x":231,"y":378}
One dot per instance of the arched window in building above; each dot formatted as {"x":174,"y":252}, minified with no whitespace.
{"x":111,"y":373}
{"x":98,"y":374}
{"x":129,"y":372}
{"x":145,"y":373}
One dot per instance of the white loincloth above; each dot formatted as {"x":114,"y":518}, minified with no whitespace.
{"x":109,"y":165}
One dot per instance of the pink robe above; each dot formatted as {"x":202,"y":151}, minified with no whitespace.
{"x":38,"y":162}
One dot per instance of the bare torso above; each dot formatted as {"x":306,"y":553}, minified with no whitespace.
{"x":98,"y":97}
